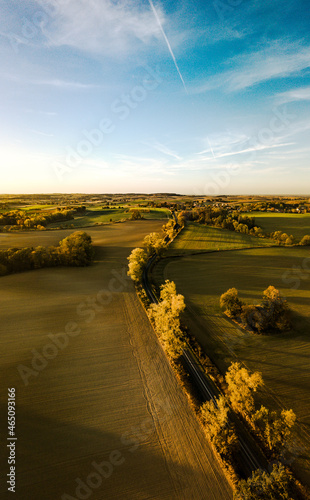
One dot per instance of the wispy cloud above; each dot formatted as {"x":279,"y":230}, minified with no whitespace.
{"x":163,"y":149}
{"x":66,"y":85}
{"x":300,"y":94}
{"x":278,"y":59}
{"x":38,"y":132}
{"x":102,"y":26}
{"x":259,"y":147}
{"x":220,"y":143}
{"x":53,"y":82}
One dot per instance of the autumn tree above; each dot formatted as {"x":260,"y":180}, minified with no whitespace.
{"x":215,"y":417}
{"x":137,"y":260}
{"x":41,"y":257}
{"x":274,"y":429}
{"x":305,"y":240}
{"x":277,"y":485}
{"x":169,"y":228}
{"x":153,"y":242}
{"x":136,"y":215}
{"x":290,"y":240}
{"x":166,"y":318}
{"x":76,"y":249}
{"x":231,"y":302}
{"x":241,"y":387}
{"x":254,"y":318}
{"x":276,"y":309}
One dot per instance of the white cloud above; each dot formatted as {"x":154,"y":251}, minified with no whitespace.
{"x":276,"y":61}
{"x":259,"y":147}
{"x":221,"y":143}
{"x":102,"y":26}
{"x":300,"y":94}
{"x":163,"y":149}
{"x":62,"y":84}
{"x":279,"y":59}
{"x":52,"y":82}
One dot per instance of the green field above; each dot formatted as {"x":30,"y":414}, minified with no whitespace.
{"x":197,"y":238}
{"x":283,"y":359}
{"x":95,"y":216}
{"x":38,"y":207}
{"x":296,"y":224}
{"x":109,"y":390}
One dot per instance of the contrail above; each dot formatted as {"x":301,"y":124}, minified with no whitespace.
{"x":168,"y":44}
{"x":211,"y":148}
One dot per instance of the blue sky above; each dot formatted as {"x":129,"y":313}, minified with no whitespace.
{"x":139,"y":96}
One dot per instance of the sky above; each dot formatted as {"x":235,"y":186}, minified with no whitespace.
{"x":194,"y":97}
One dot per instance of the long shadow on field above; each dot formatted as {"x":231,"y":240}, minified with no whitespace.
{"x":111,"y":254}
{"x":54,"y":458}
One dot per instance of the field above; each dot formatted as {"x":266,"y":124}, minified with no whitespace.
{"x":95,"y":216}
{"x":38,"y":207}
{"x":296,"y":224}
{"x":106,"y":393}
{"x":282,"y":359}
{"x":196,"y":238}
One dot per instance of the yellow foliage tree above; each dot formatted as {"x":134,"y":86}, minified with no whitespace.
{"x":241,"y":387}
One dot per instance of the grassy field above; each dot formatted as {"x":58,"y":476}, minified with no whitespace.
{"x":108,"y":395}
{"x":296,"y":224}
{"x":38,"y":207}
{"x":197,"y":238}
{"x":282,"y":359}
{"x":95,"y":216}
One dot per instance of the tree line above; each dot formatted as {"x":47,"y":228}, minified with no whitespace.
{"x":153,"y":243}
{"x":223,"y":218}
{"x":272,"y":428}
{"x":74,"y":250}
{"x":220,"y":217}
{"x":19,"y":219}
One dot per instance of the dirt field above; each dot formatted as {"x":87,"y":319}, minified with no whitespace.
{"x":106,"y":395}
